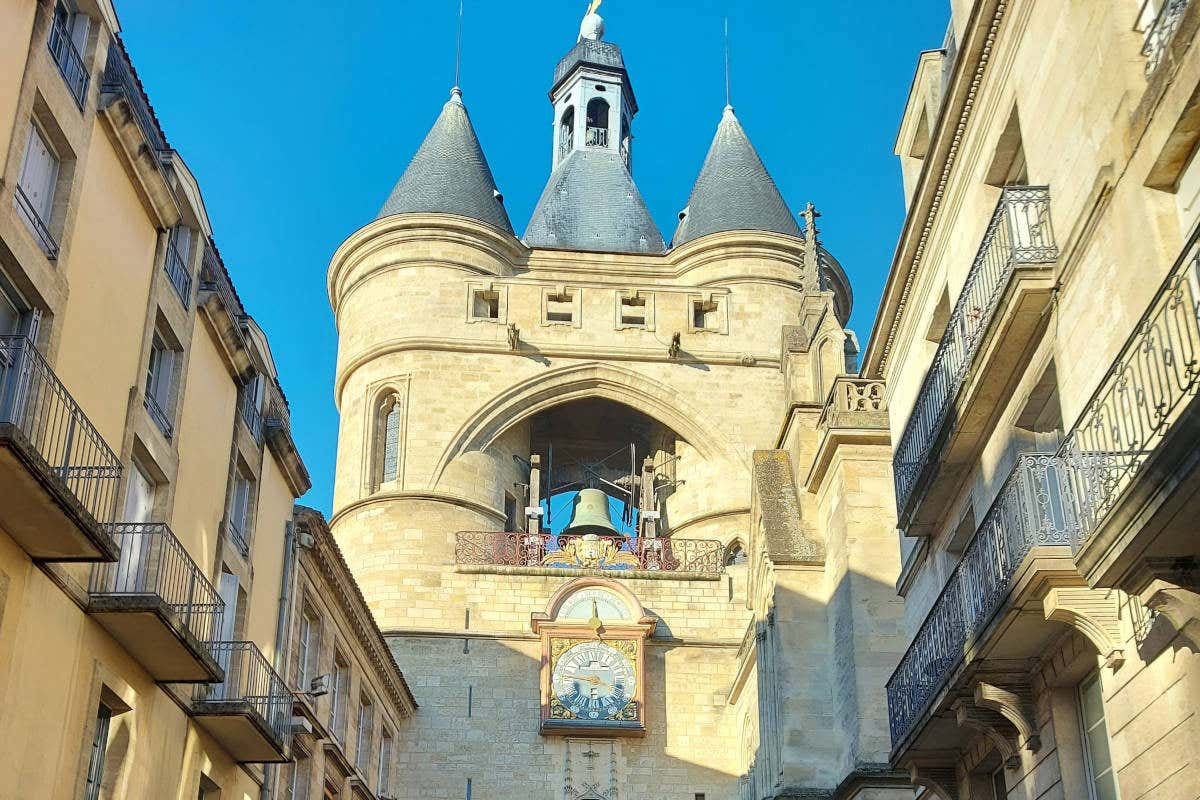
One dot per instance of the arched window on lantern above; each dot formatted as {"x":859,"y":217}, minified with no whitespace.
{"x":735,"y":554}
{"x":388,"y":439}
{"x":597,"y":122}
{"x":566,"y":132}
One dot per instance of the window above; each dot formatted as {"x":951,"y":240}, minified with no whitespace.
{"x":95,"y":773}
{"x":239,"y":512}
{"x":1102,"y":781}
{"x":633,"y":312}
{"x":566,"y":132}
{"x":139,"y":496}
{"x":485,"y":304}
{"x":16,"y":316}
{"x":362,"y":736}
{"x":597,"y":123}
{"x":250,"y":399}
{"x":999,"y":785}
{"x":160,"y":382}
{"x":177,"y":260}
{"x":705,"y":315}
{"x":299,"y":777}
{"x":35,"y":189}
{"x":735,"y":555}
{"x":389,"y":435}
{"x":308,"y":649}
{"x":385,"y":763}
{"x":511,"y":523}
{"x":339,"y":688}
{"x":1008,"y":163}
{"x":68,"y":39}
{"x":561,"y":306}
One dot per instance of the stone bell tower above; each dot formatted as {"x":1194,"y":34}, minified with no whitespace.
{"x":689,"y":399}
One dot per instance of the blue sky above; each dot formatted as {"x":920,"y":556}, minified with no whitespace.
{"x":298,"y":118}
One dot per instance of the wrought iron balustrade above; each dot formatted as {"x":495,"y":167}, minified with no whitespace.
{"x":596,"y":137}
{"x":1161,"y":31}
{"x":154,"y":564}
{"x":1032,"y":509}
{"x":159,"y":415}
{"x":567,"y":551}
{"x":566,"y":142}
{"x":251,"y":684}
{"x":69,"y":62}
{"x":1155,"y":376}
{"x":1019,"y":233}
{"x":35,"y":222}
{"x":40,"y":411}
{"x":251,"y":414}
{"x":119,"y":78}
{"x":177,"y":270}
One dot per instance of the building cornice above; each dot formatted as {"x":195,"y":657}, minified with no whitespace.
{"x":927,"y":200}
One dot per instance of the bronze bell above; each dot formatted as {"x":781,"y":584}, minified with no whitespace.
{"x":590,"y":515}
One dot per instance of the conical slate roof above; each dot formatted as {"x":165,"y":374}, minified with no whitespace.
{"x":449,"y":174}
{"x":734,"y":191}
{"x":591,"y":203}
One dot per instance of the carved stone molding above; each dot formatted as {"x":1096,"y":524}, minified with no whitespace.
{"x":1096,"y":613}
{"x":1015,"y":705}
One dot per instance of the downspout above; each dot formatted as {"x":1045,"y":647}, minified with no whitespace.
{"x":282,"y":641}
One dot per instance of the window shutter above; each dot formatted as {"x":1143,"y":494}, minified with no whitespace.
{"x":38,"y":174}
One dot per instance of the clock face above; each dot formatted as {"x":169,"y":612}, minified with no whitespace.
{"x":594,"y":680}
{"x":608,"y":606}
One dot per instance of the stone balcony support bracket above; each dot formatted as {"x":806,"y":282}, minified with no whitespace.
{"x":991,"y":725}
{"x":1014,"y":705}
{"x":1170,"y":587}
{"x":1095,"y":613}
{"x":936,"y":775}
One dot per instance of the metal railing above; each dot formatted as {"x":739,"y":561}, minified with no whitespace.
{"x":1032,"y":509}
{"x":154,"y":563}
{"x":1161,"y":31}
{"x":36,"y":224}
{"x":566,"y":141}
{"x":1144,"y":391}
{"x":160,"y":416}
{"x":566,"y":551}
{"x":251,"y":416}
{"x":119,"y":78}
{"x":70,"y":63}
{"x":596,"y":137}
{"x":40,"y":409}
{"x":249,"y":680}
{"x":1019,"y":233}
{"x":177,"y":270}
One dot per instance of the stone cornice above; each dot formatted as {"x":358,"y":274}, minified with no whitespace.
{"x":431,"y":496}
{"x":331,"y":564}
{"x":931,"y":189}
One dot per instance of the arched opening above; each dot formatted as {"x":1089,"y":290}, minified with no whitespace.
{"x":735,"y":554}
{"x":566,"y":132}
{"x":597,"y":122}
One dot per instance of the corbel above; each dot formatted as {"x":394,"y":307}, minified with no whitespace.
{"x":1093,"y":612}
{"x":1014,"y":705}
{"x":991,"y":725}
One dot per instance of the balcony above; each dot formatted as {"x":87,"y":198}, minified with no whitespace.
{"x":1022,"y":544}
{"x":58,"y":477}
{"x":37,"y":226}
{"x":250,"y":712}
{"x":177,"y":271}
{"x":251,"y":416}
{"x":161,"y":419}
{"x":1161,"y":31}
{"x":596,"y":137}
{"x":70,"y":63}
{"x":554,"y":554}
{"x":996,"y":317}
{"x":1135,"y":466}
{"x":157,"y":603}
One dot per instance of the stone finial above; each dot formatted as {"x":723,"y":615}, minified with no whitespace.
{"x":812,"y":248}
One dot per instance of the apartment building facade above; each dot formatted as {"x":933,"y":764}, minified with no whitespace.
{"x":147,"y":469}
{"x":1039,"y":335}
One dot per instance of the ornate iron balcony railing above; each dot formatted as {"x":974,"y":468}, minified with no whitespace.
{"x":153,"y":564}
{"x":566,"y":142}
{"x":42,"y":412}
{"x":252,"y":683}
{"x":251,"y":416}
{"x":1144,"y":391}
{"x":1019,"y":233}
{"x":1161,"y":31}
{"x":70,"y":63}
{"x":159,"y":415}
{"x":1032,"y":509}
{"x":617,"y":553}
{"x":35,"y":222}
{"x":177,"y":270}
{"x":596,"y":137}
